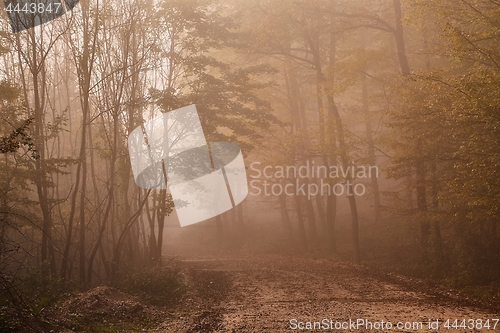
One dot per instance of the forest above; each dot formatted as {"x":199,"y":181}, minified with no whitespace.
{"x":370,"y":132}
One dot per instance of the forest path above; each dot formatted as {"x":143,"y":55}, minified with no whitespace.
{"x":271,"y":293}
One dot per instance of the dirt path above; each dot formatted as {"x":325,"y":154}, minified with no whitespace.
{"x":286,"y":294}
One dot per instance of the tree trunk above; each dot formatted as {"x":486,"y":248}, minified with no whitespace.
{"x":331,"y":210}
{"x":300,"y":220}
{"x":161,"y":223}
{"x":399,"y":37}
{"x":371,"y":146}
{"x":285,"y":218}
{"x":115,"y":263}
{"x":311,"y":218}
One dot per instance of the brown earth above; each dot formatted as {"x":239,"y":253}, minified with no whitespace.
{"x":264,"y":293}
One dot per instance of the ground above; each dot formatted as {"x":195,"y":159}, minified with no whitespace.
{"x":278,"y":293}
{"x":274,"y":293}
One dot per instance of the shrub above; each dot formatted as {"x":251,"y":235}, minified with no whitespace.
{"x":161,"y":286}
{"x":23,"y":298}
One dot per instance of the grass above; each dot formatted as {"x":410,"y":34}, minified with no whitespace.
{"x":158,"y":286}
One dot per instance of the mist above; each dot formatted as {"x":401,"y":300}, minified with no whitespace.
{"x":249,"y":166}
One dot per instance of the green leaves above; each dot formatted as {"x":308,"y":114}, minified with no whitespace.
{"x":20,"y":136}
{"x":225,"y":94}
{"x":14,"y":121}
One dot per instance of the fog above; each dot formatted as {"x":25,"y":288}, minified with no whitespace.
{"x":180,"y":156}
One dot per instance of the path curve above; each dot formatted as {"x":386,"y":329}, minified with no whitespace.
{"x":272,"y":293}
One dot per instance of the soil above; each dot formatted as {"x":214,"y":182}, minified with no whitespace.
{"x":273,"y":293}
{"x":99,"y":308}
{"x":278,"y":293}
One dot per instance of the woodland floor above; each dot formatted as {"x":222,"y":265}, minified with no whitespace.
{"x":263,"y":293}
